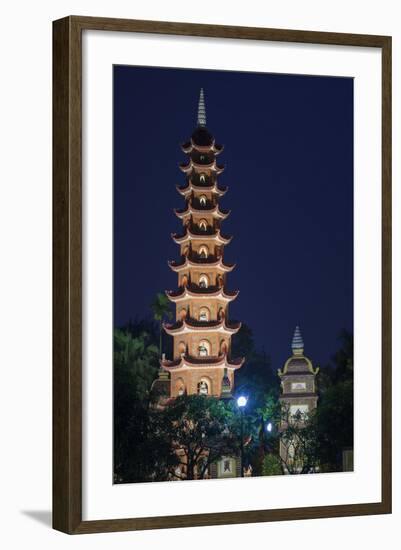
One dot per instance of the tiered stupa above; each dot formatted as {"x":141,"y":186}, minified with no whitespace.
{"x":202,"y":332}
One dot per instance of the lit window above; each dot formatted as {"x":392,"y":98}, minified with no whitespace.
{"x":203,"y":200}
{"x":298,"y":386}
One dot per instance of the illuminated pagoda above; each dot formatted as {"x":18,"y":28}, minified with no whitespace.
{"x":202,"y":361}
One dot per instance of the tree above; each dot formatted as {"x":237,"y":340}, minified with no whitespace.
{"x":138,"y":454}
{"x":301,"y":443}
{"x":271,"y":465}
{"x":334,"y":414}
{"x":199,"y":429}
{"x":161,"y":310}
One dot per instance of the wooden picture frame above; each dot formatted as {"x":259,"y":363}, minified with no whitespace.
{"x":67,"y":274}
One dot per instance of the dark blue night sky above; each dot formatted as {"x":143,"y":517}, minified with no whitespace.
{"x":289,"y":167}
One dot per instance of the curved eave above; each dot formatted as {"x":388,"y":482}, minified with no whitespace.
{"x":187,"y":190}
{"x":188,"y":147}
{"x":310,"y":369}
{"x":186,"y":293}
{"x":186,"y":362}
{"x":188,"y":328}
{"x":186,"y":168}
{"x":190,"y":210}
{"x":218,"y":264}
{"x":188,"y":235}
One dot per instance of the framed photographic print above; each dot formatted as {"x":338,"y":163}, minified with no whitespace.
{"x":222,"y":275}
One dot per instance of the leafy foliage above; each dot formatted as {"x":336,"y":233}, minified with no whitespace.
{"x":335,"y":409}
{"x":138,"y":456}
{"x":271,"y":465}
{"x":200,"y":428}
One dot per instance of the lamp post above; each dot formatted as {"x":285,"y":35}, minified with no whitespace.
{"x":241,"y":402}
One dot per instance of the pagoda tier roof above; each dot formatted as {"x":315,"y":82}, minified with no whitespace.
{"x":194,"y":234}
{"x":183,"y":293}
{"x":189,"y":146}
{"x":298,"y":364}
{"x":190,"y":209}
{"x":188,"y":361}
{"x":191,"y":325}
{"x":191,"y":165}
{"x":206,"y":262}
{"x":201,"y":139}
{"x":214,"y":188}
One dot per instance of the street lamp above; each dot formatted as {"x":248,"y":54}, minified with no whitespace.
{"x":269,"y":427}
{"x":241,"y":402}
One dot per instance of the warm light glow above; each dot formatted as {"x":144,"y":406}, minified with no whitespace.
{"x":241,"y":401}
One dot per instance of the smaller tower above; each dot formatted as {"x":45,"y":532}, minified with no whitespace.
{"x":298,"y":386}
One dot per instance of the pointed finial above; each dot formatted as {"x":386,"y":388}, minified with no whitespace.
{"x":297,"y":342}
{"x":201,"y":109}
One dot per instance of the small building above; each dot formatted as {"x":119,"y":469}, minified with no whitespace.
{"x":298,"y":390}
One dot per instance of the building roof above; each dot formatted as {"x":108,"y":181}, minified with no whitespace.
{"x":193,"y":291}
{"x":215,"y":211}
{"x":187,"y":167}
{"x":188,"y":325}
{"x":210,"y":261}
{"x":199,"y":187}
{"x":188,"y":361}
{"x":208,"y":234}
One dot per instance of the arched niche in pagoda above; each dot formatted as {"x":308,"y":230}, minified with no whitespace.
{"x":203,"y":280}
{"x":204,"y":348}
{"x":203,"y":224}
{"x":182,"y":348}
{"x":180,"y":386}
{"x":204,"y":386}
{"x":203,"y":251}
{"x":184,"y":280}
{"x":223,"y":347}
{"x":183,"y":313}
{"x":204,"y":314}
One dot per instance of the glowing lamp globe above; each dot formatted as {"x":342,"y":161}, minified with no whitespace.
{"x":241,"y":401}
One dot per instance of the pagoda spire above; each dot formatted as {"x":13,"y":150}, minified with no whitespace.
{"x":201,"y":109}
{"x":297,"y":344}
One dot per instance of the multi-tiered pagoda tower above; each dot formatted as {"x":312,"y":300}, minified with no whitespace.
{"x":202,"y":332}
